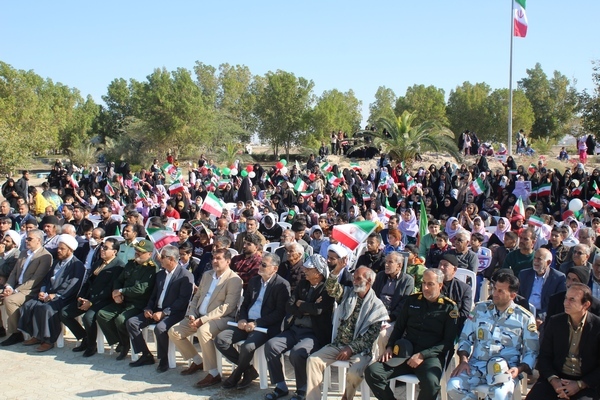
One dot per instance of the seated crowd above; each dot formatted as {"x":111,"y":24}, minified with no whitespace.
{"x":257,"y":262}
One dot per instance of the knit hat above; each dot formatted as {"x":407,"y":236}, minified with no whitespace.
{"x":582,"y":272}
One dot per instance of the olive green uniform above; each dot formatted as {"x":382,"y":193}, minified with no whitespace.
{"x":136,"y":283}
{"x":431,"y":328}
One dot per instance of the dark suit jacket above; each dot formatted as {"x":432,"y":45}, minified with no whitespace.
{"x":554,"y":283}
{"x":34,"y":275}
{"x":98,"y":289}
{"x":83,"y":248}
{"x":178,"y":295}
{"x":374,"y":261}
{"x":404,"y":288}
{"x":276,"y":297}
{"x":320,"y":313}
{"x":555,"y":345}
{"x":556,"y":305}
{"x":68,"y":284}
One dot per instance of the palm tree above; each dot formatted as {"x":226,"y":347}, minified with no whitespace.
{"x":403,"y":142}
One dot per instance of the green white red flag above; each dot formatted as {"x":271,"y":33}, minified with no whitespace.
{"x":300,"y":186}
{"x":477,"y":187}
{"x":532,"y":168}
{"x":161,"y":237}
{"x":596,"y":188}
{"x":355,"y":166}
{"x":307,"y":194}
{"x":519,"y":18}
{"x":176,"y":187}
{"x":595,"y":201}
{"x":519,"y":207}
{"x":544,"y":189}
{"x":213,"y":205}
{"x":75,"y":185}
{"x":534,"y":220}
{"x":389,"y":211}
{"x":326,"y":167}
{"x":334,"y":180}
{"x":577,"y":191}
{"x":351,"y":235}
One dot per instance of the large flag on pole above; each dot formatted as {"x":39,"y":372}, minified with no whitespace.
{"x":423,"y":222}
{"x":520,"y":18}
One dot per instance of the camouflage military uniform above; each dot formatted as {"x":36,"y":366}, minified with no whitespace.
{"x":511,"y":335}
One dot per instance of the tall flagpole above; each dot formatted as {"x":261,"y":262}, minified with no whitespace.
{"x":510,"y":79}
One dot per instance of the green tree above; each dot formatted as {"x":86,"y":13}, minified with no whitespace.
{"x":335,"y":111}
{"x":79,"y":129}
{"x":236,"y":101}
{"x":119,"y":108}
{"x":590,"y":103}
{"x":282,"y":109}
{"x":427,"y":102}
{"x":467,"y":107}
{"x":404,"y":140}
{"x":497,"y":113}
{"x":172,"y":109}
{"x":383,"y":106}
{"x":554,"y":102}
{"x":208,"y":82}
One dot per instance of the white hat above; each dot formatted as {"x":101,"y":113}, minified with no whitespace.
{"x":338,"y":249}
{"x":68,"y":240}
{"x":14,"y":236}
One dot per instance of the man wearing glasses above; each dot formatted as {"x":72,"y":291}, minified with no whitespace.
{"x":94,"y":296}
{"x":25,"y":281}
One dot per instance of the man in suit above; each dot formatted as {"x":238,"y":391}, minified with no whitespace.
{"x":541,"y":282}
{"x":569,"y":359}
{"x":212,"y":307}
{"x":25,"y":281}
{"x":166,"y":307}
{"x":557,"y":300}
{"x":130,"y":294}
{"x":392,"y":287}
{"x":263,"y":307}
{"x":580,"y":256}
{"x":95,"y":295}
{"x":307,"y":328}
{"x":40,"y":318}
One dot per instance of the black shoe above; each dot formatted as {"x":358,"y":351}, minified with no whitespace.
{"x":249,"y":376}
{"x":233,"y":379}
{"x":124,"y":351}
{"x":82,"y":347}
{"x":13,"y":339}
{"x":90,"y":351}
{"x":145,"y":359}
{"x":119,"y":348}
{"x":2,"y":331}
{"x":160,"y":368}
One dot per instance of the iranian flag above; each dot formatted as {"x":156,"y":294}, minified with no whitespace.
{"x":595,"y":201}
{"x":519,"y":207}
{"x":577,"y":191}
{"x":108,"y":189}
{"x":388,"y":211}
{"x":350,"y":197}
{"x":544,"y":190}
{"x":307,"y":194}
{"x":300,"y":186}
{"x":351,"y":235}
{"x":410,"y":182}
{"x":176,"y":187}
{"x":477,"y":187}
{"x":520,"y":18}
{"x":355,"y":166}
{"x":169,"y":169}
{"x":513,"y":172}
{"x":223,"y":183}
{"x":326,"y":167}
{"x":366,"y":197}
{"x":75,"y":185}
{"x":532,"y":168}
{"x":213,"y":205}
{"x":334,"y":180}
{"x":402,"y":165}
{"x":595,"y":186}
{"x":161,"y":237}
{"x":534,"y":220}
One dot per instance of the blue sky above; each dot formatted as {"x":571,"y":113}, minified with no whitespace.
{"x":342,"y":45}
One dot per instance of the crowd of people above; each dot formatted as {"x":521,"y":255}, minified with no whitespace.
{"x":250,"y":254}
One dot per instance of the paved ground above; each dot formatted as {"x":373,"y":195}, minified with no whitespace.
{"x":61,"y":373}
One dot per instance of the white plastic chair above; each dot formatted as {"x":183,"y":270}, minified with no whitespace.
{"x":233,"y":252}
{"x":171,"y":351}
{"x":271,"y":247}
{"x":464,"y":275}
{"x":285,"y":225}
{"x":282,"y":216}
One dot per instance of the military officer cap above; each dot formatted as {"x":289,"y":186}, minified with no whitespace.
{"x":144,"y":246}
{"x":402,"y":351}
